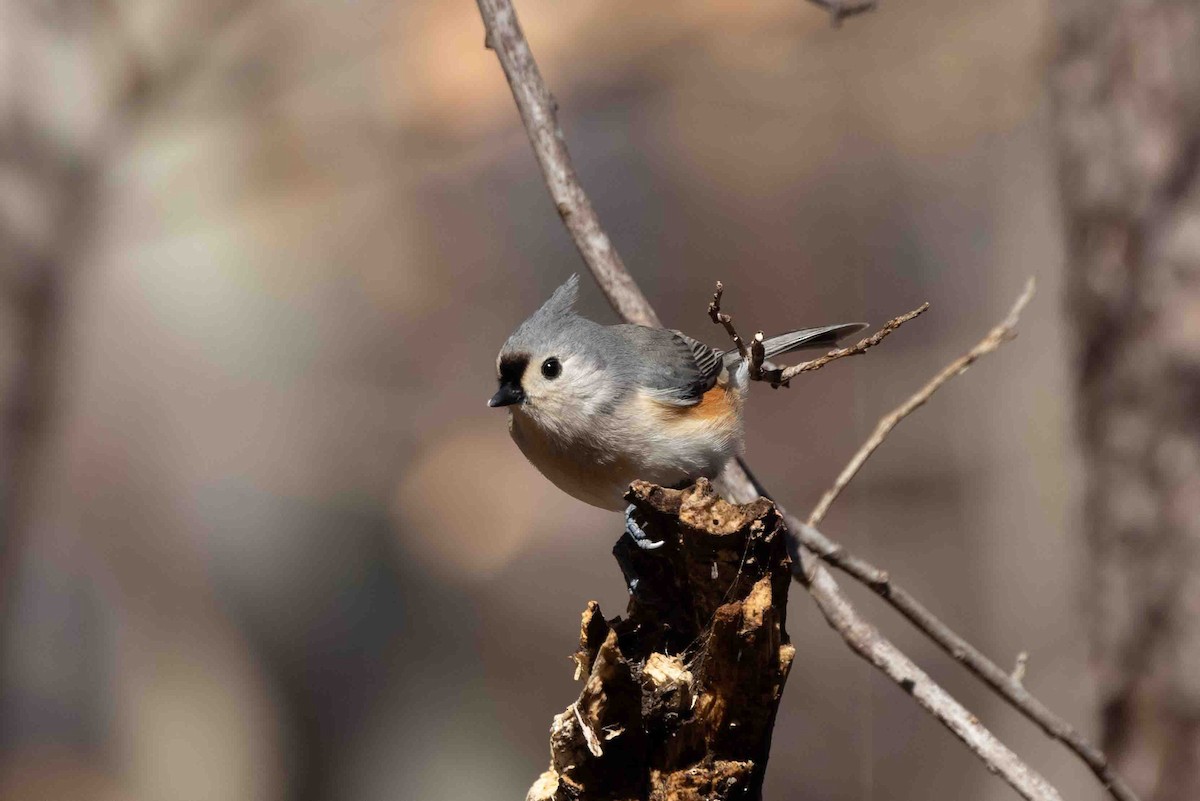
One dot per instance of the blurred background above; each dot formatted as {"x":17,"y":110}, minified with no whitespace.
{"x":263,"y":540}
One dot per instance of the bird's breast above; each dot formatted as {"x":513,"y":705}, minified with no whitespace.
{"x":644,"y":438}
{"x":596,"y":471}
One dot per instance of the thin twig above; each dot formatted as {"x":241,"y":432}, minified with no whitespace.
{"x":755,"y":355}
{"x":788,"y":373}
{"x":994,"y":339}
{"x":537,"y":112}
{"x":1018,"y":673}
{"x":721,"y":318}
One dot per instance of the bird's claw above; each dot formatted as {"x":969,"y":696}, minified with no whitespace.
{"x":638,"y":534}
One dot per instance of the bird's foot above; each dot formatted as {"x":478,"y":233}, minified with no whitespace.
{"x":638,"y":534}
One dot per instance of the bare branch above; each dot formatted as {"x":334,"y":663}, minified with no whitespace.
{"x":788,"y":373}
{"x":866,"y":641}
{"x":755,"y":355}
{"x":720,"y":318}
{"x":994,"y":339}
{"x":539,"y":114}
{"x":1008,"y":686}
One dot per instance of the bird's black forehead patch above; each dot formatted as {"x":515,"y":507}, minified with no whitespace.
{"x":512,"y":367}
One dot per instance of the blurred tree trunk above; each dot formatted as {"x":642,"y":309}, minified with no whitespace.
{"x":49,"y":173}
{"x":1127,"y":101}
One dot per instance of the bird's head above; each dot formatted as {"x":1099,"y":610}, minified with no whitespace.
{"x":552,"y":368}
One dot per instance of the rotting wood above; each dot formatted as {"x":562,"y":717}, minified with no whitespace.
{"x":680,"y":695}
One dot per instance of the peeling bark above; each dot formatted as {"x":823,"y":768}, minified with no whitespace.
{"x":680,"y":695}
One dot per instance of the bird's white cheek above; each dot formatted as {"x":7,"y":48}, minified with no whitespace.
{"x":591,"y":392}
{"x":567,"y":407}
{"x":549,"y":412}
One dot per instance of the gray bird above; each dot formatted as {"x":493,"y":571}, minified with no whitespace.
{"x":594,"y":407}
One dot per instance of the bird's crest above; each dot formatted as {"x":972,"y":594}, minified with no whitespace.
{"x":560,"y":304}
{"x":547,"y":322}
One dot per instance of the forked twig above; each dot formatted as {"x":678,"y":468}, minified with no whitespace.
{"x":777,"y":377}
{"x":721,"y":318}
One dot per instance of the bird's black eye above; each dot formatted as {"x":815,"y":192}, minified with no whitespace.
{"x":551,"y":367}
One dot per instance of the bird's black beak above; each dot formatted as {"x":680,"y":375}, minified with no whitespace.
{"x":507,"y":395}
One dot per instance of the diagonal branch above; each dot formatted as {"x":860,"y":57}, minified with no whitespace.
{"x":784,"y":376}
{"x":537,"y":112}
{"x":866,"y":641}
{"x":994,"y":339}
{"x":1007,"y":686}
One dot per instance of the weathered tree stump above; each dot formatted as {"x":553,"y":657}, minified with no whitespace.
{"x":679,"y":696}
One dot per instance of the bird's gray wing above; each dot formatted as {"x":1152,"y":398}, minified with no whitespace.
{"x":709,"y":361}
{"x":677,"y":368}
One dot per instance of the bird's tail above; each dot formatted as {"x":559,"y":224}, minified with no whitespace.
{"x":824,"y":337}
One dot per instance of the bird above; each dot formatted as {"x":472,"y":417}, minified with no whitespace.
{"x":594,"y":407}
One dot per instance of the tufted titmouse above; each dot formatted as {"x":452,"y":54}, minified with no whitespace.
{"x":594,"y":407}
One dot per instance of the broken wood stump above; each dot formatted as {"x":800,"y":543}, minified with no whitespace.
{"x":680,"y":695}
